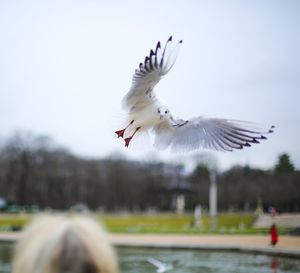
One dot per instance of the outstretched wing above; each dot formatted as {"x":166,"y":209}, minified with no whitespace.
{"x":149,"y":73}
{"x":211,"y":133}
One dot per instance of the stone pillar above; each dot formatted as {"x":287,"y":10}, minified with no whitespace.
{"x":197,"y":216}
{"x":213,"y":200}
{"x":180,"y":204}
{"x":213,"y":195}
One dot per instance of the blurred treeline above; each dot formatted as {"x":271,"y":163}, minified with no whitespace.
{"x":35,"y":171}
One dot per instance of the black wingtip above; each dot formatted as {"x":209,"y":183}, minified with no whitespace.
{"x":151,"y":53}
{"x":271,"y":131}
{"x":273,"y":126}
{"x":263,"y":137}
{"x":181,"y":41}
{"x":170,"y":39}
{"x":157,"y":47}
{"x":247,"y":144}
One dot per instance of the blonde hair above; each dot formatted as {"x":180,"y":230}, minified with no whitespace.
{"x":64,"y":244}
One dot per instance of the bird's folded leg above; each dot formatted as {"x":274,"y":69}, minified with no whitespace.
{"x":120,"y":133}
{"x":128,"y":139}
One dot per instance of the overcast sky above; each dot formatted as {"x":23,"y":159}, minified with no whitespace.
{"x":65,"y":66}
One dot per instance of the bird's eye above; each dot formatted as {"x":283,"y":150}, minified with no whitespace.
{"x":166,"y":112}
{"x":158,"y":111}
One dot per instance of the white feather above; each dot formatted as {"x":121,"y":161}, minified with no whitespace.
{"x":161,"y":267}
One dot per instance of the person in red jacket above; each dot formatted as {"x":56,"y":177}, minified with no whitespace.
{"x":274,"y":235}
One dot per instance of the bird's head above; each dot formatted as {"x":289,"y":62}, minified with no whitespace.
{"x":163,"y":112}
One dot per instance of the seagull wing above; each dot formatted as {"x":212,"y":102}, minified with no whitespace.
{"x":212,"y":133}
{"x":155,"y":66}
{"x":156,"y":263}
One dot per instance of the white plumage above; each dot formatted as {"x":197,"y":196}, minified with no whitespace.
{"x":146,"y":112}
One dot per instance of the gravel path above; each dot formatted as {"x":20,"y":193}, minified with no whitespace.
{"x":285,"y":242}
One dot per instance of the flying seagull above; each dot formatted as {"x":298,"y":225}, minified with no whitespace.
{"x":160,"y":266}
{"x":145,"y":112}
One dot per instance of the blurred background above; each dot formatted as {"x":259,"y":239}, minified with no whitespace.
{"x":64,"y":68}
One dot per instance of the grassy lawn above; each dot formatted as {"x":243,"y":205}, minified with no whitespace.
{"x":146,"y":223}
{"x":170,"y":223}
{"x":9,"y":222}
{"x":158,"y":223}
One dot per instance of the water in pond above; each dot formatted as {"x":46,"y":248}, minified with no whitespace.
{"x":135,"y":260}
{"x":191,"y":261}
{"x":6,"y":253}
